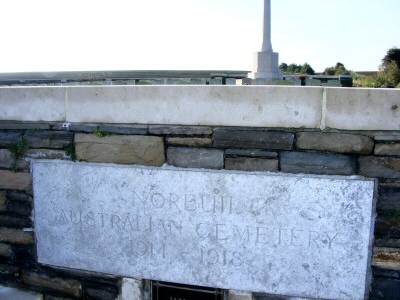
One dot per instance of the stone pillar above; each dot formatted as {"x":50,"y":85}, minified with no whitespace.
{"x":267,"y":45}
{"x":266,"y":62}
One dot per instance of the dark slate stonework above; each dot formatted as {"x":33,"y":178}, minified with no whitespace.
{"x":317,"y":163}
{"x":250,"y":153}
{"x":251,"y":164}
{"x":253,"y":139}
{"x":388,"y":199}
{"x":335,"y":142}
{"x":137,"y":130}
{"x":195,"y":158}
{"x":49,"y":139}
{"x":180,"y":130}
{"x":9,"y":138}
{"x":385,"y":289}
{"x":23,"y":125}
{"x":86,"y":128}
{"x":381,"y":167}
{"x":15,"y":222}
{"x":387,"y":227}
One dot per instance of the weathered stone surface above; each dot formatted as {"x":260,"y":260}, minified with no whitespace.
{"x":250,"y":153}
{"x":335,"y":142}
{"x":6,"y":158}
{"x":103,"y":291}
{"x":389,"y":199}
{"x":385,"y":289}
{"x":15,"y":222}
{"x":5,"y":250}
{"x":24,"y":125}
{"x":7,"y":161}
{"x":46,"y":154}
{"x":387,"y":137}
{"x":362,"y":109}
{"x":253,"y":139}
{"x":19,"y":208}
{"x":15,"y":181}
{"x":18,"y":196}
{"x":125,"y":129}
{"x":131,"y":289}
{"x":252,"y":164}
{"x":387,"y":227}
{"x":8,"y":138}
{"x":3,"y":201}
{"x":180,"y":130}
{"x":386,"y":258}
{"x":8,"y":293}
{"x":387,"y":243}
{"x":87,"y":128}
{"x":234,"y":230}
{"x":49,"y":139}
{"x":124,"y":149}
{"x":317,"y":163}
{"x":239,"y":295}
{"x":195,"y":158}
{"x":9,"y":270}
{"x":66,"y":286}
{"x":15,"y":236}
{"x":189,"y":142}
{"x":383,"y":167}
{"x":387,"y":149}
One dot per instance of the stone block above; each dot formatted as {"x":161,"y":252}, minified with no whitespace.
{"x":33,"y":104}
{"x":253,"y":139}
{"x":335,"y":142}
{"x":68,"y":287}
{"x":18,"y":196}
{"x":3,"y":201}
{"x":386,"y":258}
{"x":15,"y":236}
{"x":382,"y":167}
{"x":180,"y":130}
{"x":125,"y":129}
{"x":317,"y":163}
{"x":389,"y":199}
{"x":9,"y":138}
{"x":252,"y":164}
{"x":387,"y":137}
{"x":87,"y":128}
{"x":281,"y":234}
{"x":49,"y":139}
{"x":239,"y":295}
{"x":24,"y":125}
{"x":250,"y":153}
{"x":9,"y":270}
{"x":19,"y":208}
{"x":15,"y":222}
{"x":189,"y":141}
{"x":7,"y":161}
{"x":15,"y":181}
{"x":5,"y":250}
{"x":131,"y":289}
{"x":362,"y":109}
{"x":255,"y":106}
{"x":195,"y":158}
{"x":387,"y":149}
{"x":46,"y":154}
{"x":9,"y":293}
{"x":384,"y":288}
{"x":99,"y":290}
{"x":122,"y":149}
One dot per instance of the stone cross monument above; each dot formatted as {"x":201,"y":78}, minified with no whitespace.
{"x":266,"y":62}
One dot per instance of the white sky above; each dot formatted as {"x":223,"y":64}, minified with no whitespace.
{"x":73,"y":35}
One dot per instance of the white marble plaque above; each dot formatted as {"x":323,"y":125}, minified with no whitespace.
{"x":305,"y":236}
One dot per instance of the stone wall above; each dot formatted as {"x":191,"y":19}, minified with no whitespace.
{"x":353,"y":147}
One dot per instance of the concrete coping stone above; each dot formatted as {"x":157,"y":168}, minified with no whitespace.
{"x":246,"y":106}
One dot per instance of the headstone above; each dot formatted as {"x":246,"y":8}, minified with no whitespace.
{"x":293,"y":235}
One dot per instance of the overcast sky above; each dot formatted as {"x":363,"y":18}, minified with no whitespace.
{"x":73,"y":35}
